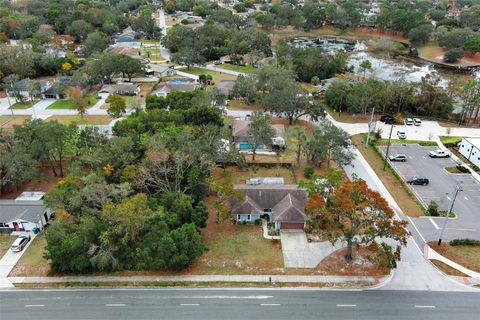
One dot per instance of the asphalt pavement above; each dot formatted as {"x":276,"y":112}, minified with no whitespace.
{"x":440,"y":190}
{"x":248,"y":303}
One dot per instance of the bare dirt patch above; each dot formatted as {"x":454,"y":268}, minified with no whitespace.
{"x":42,"y":184}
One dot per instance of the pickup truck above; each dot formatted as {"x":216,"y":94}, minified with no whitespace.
{"x":440,"y":153}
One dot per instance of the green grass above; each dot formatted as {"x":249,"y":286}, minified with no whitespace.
{"x":245,"y":69}
{"x":234,"y":175}
{"x":67,"y":103}
{"x":383,"y":142}
{"x":23,"y":105}
{"x":449,"y":139}
{"x":149,"y":41}
{"x":6,"y":241}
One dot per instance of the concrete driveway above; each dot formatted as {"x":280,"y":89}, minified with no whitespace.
{"x":10,"y":259}
{"x":299,"y":253}
{"x":43,"y":104}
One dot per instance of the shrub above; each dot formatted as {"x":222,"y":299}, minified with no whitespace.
{"x":308,"y":172}
{"x":453,"y":55}
{"x":462,"y":169}
{"x":258,"y":221}
{"x":398,"y":119}
{"x":433,"y":209}
{"x":465,"y":242}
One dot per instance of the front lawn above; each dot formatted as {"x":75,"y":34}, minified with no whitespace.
{"x":233,"y":67}
{"x":23,"y":105}
{"x":32,"y":262}
{"x":87,"y":119}
{"x":67,"y":103}
{"x":397,"y":188}
{"x":217,"y":76}
{"x":6,"y":241}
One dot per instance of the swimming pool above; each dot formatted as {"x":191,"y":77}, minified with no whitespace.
{"x":179,"y":81}
{"x":244,"y":146}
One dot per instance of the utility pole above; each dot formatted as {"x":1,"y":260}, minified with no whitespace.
{"x":369,"y":128}
{"x":452,"y":202}
{"x":9,"y":103}
{"x":388,"y":147}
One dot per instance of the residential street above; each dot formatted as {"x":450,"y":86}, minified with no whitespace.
{"x":248,"y":303}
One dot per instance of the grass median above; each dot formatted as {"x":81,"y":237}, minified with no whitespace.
{"x":394,"y":184}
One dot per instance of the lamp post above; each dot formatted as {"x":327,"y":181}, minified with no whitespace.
{"x":388,"y":147}
{"x":452,"y":202}
{"x":370,"y":127}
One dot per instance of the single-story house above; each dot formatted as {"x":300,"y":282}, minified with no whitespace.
{"x":160,"y":70}
{"x":128,"y":38}
{"x":470,"y":149}
{"x":56,"y":89}
{"x":23,"y":90}
{"x":165,"y":88}
{"x":16,"y":215}
{"x":225,"y":87}
{"x":283,"y":204}
{"x":124,"y":89}
{"x":242,"y":137}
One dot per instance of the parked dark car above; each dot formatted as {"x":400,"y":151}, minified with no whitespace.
{"x":20,"y":243}
{"x":387,"y":119}
{"x":418,"y":180}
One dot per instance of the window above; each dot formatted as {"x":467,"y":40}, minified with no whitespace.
{"x":238,"y":217}
{"x":248,"y":217}
{"x":3,"y":225}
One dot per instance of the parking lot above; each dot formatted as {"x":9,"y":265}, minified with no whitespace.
{"x":440,"y":190}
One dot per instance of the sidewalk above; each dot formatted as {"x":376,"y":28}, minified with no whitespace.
{"x":205,"y":278}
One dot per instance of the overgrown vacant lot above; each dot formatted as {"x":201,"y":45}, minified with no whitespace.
{"x":236,"y":175}
{"x":6,"y":241}
{"x":217,"y":76}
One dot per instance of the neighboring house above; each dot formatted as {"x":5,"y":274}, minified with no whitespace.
{"x":124,"y":89}
{"x":56,"y":90}
{"x":470,"y":149}
{"x":165,"y":88}
{"x":242,"y":137}
{"x":160,"y":70}
{"x":22,"y":89}
{"x":283,"y":204}
{"x":24,"y":213}
{"x":128,"y":38}
{"x":225,"y":87}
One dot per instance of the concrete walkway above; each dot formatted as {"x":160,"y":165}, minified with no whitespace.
{"x":431,"y":254}
{"x":9,"y":260}
{"x":265,"y":231}
{"x":204,"y":278}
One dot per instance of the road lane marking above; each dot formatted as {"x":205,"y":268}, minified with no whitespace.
{"x":189,"y":304}
{"x":465,"y":198}
{"x":346,"y":305}
{"x":34,"y":305}
{"x":448,"y":198}
{"x":115,"y":305}
{"x":270,"y":304}
{"x":434,"y":224}
{"x":430,"y":307}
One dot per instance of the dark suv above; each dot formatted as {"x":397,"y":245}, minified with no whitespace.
{"x":387,"y":119}
{"x":418,"y":180}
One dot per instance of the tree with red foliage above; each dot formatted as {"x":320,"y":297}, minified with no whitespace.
{"x":357,"y":215}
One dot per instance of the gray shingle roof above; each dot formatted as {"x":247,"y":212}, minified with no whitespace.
{"x":287,"y":201}
{"x":30,"y":211}
{"x":241,"y":128}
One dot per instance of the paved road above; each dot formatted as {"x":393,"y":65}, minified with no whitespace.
{"x":236,"y":304}
{"x":163,"y":26}
{"x":440,"y":190}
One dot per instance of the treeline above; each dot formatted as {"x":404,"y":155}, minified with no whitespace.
{"x":213,"y":40}
{"x":425,"y":98}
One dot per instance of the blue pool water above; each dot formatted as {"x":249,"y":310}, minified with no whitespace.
{"x":244,"y":146}
{"x":179,"y":81}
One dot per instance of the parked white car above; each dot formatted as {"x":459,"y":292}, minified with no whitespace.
{"x":401,"y":135}
{"x":409,"y":121}
{"x":417,"y":122}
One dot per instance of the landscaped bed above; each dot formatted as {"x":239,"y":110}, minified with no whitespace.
{"x":465,"y":255}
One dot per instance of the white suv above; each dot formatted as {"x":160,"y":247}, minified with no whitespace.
{"x":401,"y":135}
{"x":440,"y":153}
